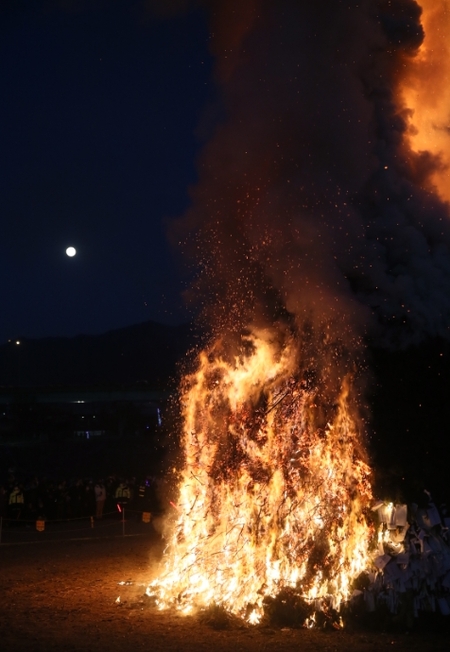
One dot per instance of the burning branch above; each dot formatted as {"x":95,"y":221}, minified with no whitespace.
{"x":261,"y":521}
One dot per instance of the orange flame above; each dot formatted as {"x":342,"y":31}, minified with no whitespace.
{"x":425,"y":92}
{"x":268,"y":500}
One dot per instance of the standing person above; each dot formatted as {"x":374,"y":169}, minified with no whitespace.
{"x":100,"y":498}
{"x":16,"y":502}
{"x":3,"y":501}
{"x":141,"y":500}
{"x":89,"y":507}
{"x":122,"y":495}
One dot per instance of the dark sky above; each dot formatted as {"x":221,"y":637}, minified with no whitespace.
{"x":99,"y":115}
{"x":312,"y":199}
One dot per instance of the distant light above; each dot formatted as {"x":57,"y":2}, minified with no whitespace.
{"x":17,"y":341}
{"x":71,"y":251}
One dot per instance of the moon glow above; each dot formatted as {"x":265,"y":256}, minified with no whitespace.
{"x":71,"y":251}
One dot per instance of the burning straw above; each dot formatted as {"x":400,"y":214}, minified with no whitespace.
{"x":269,"y":501}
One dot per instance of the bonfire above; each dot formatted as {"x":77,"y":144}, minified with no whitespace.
{"x":269,"y":501}
{"x":293,"y":220}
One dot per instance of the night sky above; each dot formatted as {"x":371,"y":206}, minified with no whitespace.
{"x":273,"y":140}
{"x":101,"y":116}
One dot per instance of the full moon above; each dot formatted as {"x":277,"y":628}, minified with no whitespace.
{"x":71,"y":251}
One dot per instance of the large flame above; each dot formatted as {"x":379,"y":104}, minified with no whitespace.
{"x":268,"y":499}
{"x":425,"y":89}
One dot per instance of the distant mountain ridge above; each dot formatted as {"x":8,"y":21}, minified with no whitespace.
{"x":143,"y":353}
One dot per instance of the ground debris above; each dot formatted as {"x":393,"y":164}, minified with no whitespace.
{"x":89,"y":620}
{"x":217,"y":617}
{"x":287,"y":609}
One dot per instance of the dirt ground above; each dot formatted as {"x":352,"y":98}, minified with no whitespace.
{"x":62,"y":595}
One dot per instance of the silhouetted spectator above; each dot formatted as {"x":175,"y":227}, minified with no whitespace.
{"x":100,"y":498}
{"x":3,"y":501}
{"x":15,"y":502}
{"x":123,"y":494}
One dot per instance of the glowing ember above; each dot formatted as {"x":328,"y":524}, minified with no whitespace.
{"x":268,"y":499}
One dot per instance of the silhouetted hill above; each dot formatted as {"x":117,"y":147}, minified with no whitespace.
{"x":146,"y":352}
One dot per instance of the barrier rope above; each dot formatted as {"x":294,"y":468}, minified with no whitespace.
{"x":19,"y":527}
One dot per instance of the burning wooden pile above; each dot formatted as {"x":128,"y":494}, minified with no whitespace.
{"x":270,"y":501}
{"x":274,"y":518}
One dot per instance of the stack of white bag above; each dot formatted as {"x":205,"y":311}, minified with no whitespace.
{"x":411,"y":564}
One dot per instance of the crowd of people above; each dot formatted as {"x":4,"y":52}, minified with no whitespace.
{"x":34,"y":498}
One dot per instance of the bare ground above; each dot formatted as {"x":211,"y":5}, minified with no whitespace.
{"x":61,"y":595}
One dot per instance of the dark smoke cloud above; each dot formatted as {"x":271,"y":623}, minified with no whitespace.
{"x":309,"y":202}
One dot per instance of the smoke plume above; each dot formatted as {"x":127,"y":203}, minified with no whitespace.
{"x":312,"y":204}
